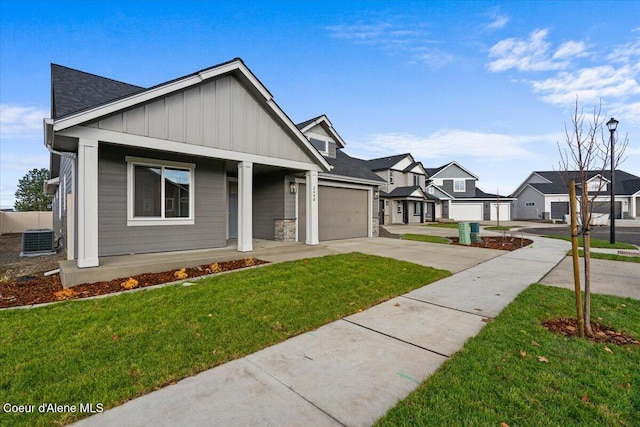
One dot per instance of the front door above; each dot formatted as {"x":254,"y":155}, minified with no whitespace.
{"x":405,"y":212}
{"x":233,"y":210}
{"x":381,"y":212}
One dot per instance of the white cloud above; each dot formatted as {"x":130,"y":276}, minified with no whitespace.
{"x":408,"y":38}
{"x":498,"y":21}
{"x":533,"y":53}
{"x":447,"y":145}
{"x":589,"y":84}
{"x":626,"y":53}
{"x":21,"y":122}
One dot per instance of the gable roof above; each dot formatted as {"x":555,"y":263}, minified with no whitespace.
{"x":347,"y":166}
{"x":322,"y":120}
{"x":383,"y":163}
{"x":625,"y":182}
{"x":435,"y":171}
{"x":414,"y":165}
{"x":404,"y":192}
{"x":116,"y":96}
{"x":74,"y":90}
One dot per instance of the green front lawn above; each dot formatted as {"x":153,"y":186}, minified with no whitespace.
{"x":113,"y":349}
{"x":444,"y":225}
{"x":596,"y":243}
{"x":499,"y":227}
{"x":425,"y":238}
{"x":609,"y":257}
{"x":498,"y":377}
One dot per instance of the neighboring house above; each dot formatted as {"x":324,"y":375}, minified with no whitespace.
{"x":402,"y":199}
{"x":545,"y":194}
{"x":191,"y":163}
{"x":414,"y":194}
{"x":458,"y":198}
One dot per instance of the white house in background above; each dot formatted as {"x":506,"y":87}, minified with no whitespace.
{"x":545,"y":194}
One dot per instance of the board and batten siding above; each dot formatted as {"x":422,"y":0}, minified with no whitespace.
{"x":268,"y":204}
{"x":220,"y":114}
{"x":116,"y":238}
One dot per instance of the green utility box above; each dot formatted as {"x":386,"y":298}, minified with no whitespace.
{"x":464,"y":233}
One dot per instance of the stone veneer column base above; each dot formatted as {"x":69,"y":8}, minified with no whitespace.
{"x":285,"y":230}
{"x":375,"y":227}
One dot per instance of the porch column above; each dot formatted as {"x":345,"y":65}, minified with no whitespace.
{"x":245,"y":206}
{"x":632,"y":208}
{"x":312,"y":207}
{"x":87,"y":203}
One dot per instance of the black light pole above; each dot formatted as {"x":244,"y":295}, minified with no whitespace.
{"x":612,"y":125}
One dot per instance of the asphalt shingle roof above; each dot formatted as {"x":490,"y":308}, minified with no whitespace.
{"x":624,"y":181}
{"x":402,"y":191}
{"x":385,"y":162}
{"x":74,"y":90}
{"x":345,"y":165}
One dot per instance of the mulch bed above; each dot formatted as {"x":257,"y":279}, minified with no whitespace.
{"x":568,"y":327}
{"x":28,"y":291}
{"x":508,"y":243}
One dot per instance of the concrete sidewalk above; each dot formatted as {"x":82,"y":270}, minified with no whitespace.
{"x":351,"y":371}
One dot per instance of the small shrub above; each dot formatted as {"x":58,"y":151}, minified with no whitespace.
{"x":215,"y":268}
{"x":130,"y":283}
{"x":64,"y":294}
{"x":248,"y":262}
{"x":181,"y":274}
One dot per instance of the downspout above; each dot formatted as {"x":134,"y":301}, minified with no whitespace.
{"x":48,"y":142}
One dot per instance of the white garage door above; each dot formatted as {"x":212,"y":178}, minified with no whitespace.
{"x":505,"y":211}
{"x":342,"y":213}
{"x":466,"y":211}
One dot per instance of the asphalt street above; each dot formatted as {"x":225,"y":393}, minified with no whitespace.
{"x":623,"y":234}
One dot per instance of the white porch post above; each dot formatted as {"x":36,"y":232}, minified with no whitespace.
{"x":245,"y":206}
{"x":312,"y":207}
{"x":87,"y":203}
{"x":632,"y":208}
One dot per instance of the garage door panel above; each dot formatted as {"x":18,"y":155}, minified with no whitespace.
{"x":343,"y":213}
{"x":466,"y":211}
{"x":505,"y":211}
{"x":605,"y":207}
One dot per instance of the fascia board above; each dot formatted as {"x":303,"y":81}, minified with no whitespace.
{"x":183,"y":148}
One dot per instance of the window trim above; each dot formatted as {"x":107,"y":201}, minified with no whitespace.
{"x":464,"y":185}
{"x":416,"y":180}
{"x":399,"y":206}
{"x":390,"y":176}
{"x":416,"y":211}
{"x":133,"y":221}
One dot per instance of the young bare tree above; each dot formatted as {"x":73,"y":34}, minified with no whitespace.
{"x":585,"y":158}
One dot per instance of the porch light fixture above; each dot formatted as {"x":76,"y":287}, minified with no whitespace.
{"x":376,"y":194}
{"x":293,"y":189}
{"x":612,"y":125}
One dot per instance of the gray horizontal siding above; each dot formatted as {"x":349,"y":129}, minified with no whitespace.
{"x":116,"y":238}
{"x":470,"y":188}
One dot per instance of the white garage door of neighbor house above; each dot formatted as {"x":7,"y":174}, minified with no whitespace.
{"x":466,"y":212}
{"x":342,"y":213}
{"x":505,"y":211}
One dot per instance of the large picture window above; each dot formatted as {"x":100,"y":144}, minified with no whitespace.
{"x":159,"y":192}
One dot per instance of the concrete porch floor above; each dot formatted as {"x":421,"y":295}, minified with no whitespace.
{"x":113,"y":267}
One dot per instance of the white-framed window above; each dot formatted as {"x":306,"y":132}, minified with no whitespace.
{"x":321,"y":145}
{"x":596,"y":185}
{"x":416,"y":180}
{"x":430,"y":190}
{"x":459,"y":185}
{"x":399,"y":207}
{"x":530,"y":204}
{"x":159,"y":192}
{"x":417,"y":208}
{"x":390,"y":176}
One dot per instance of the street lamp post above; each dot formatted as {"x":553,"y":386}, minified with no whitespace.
{"x":612,"y":125}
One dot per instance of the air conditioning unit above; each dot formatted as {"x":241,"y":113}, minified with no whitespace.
{"x":37,"y":242}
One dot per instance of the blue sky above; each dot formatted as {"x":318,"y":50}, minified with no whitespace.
{"x":490,"y":85}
